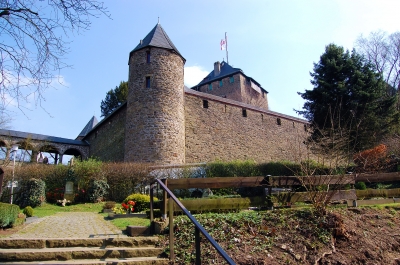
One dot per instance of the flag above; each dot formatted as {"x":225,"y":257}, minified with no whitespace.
{"x":223,"y":45}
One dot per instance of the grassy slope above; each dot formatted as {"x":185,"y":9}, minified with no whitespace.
{"x":343,"y":236}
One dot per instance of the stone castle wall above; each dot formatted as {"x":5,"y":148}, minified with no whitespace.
{"x":219,"y":132}
{"x":155,"y":121}
{"x":222,"y":132}
{"x":107,"y":139}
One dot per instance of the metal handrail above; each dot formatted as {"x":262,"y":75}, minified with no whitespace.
{"x":198,"y":227}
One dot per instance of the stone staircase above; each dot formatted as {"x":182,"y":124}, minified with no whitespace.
{"x":126,"y":250}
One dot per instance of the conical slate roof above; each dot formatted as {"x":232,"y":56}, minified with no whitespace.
{"x":89,"y":126}
{"x":157,"y":37}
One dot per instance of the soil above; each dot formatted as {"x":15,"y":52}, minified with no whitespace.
{"x":343,"y":236}
{"x":4,"y":232}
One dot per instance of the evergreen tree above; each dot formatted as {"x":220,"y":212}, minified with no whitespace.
{"x":349,"y":98}
{"x":114,"y":98}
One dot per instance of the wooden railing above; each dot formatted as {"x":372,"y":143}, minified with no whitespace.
{"x":197,"y":230}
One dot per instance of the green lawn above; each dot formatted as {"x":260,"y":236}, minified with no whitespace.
{"x":50,"y":209}
{"x":122,"y":223}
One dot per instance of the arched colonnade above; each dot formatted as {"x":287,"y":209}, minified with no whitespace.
{"x":40,"y":148}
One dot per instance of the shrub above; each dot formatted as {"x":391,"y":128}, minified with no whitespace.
{"x":8,"y":214}
{"x":28,"y":211}
{"x":19,"y":221}
{"x":232,"y":169}
{"x":54,"y":195}
{"x":156,"y":213}
{"x":125,"y":178}
{"x":98,"y":189}
{"x":281,"y":168}
{"x":142,"y":201}
{"x":55,"y":182}
{"x":33,"y":193}
{"x":371,"y":159}
{"x":360,"y":186}
{"x":109,"y":205}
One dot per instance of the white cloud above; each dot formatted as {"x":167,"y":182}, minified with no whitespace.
{"x":59,"y":82}
{"x":22,"y":92}
{"x":194,"y":74}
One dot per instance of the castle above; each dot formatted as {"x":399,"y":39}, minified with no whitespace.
{"x":224,"y":117}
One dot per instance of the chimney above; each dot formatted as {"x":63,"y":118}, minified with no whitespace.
{"x":217,"y":68}
{"x":141,"y":42}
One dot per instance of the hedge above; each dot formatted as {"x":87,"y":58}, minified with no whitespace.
{"x":8,"y":214}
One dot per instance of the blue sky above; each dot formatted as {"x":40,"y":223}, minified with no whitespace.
{"x":275,"y":42}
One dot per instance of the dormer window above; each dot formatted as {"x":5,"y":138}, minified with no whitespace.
{"x":231,"y":79}
{"x":209,"y":87}
{"x":148,"y":56}
{"x":220,"y":83}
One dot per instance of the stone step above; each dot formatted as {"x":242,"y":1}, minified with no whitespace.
{"x":9,"y":243}
{"x":74,"y":253}
{"x":126,"y":261}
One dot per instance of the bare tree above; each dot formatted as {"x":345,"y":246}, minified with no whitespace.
{"x":33,"y":44}
{"x":323,"y":163}
{"x":383,"y":51}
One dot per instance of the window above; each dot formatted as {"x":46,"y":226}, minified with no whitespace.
{"x":262,"y":117}
{"x":205,"y":104}
{"x":209,"y":87}
{"x":244,"y":112}
{"x":231,"y":79}
{"x":148,"y":56}
{"x":147,"y":81}
{"x":220,"y":83}
{"x":278,"y":121}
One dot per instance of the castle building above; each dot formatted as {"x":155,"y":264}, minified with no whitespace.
{"x":228,"y":82}
{"x":225,"y":117}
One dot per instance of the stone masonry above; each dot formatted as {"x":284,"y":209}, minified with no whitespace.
{"x":107,"y":139}
{"x":155,"y":129}
{"x":228,"y":130}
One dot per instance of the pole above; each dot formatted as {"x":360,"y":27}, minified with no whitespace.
{"x":226,"y":43}
{"x":14,"y":149}
{"x":12,"y":182}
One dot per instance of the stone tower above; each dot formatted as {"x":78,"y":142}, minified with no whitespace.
{"x":155,"y":122}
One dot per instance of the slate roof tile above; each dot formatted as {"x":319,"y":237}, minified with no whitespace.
{"x":157,"y":37}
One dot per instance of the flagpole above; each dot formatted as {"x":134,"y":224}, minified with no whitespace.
{"x":226,"y":43}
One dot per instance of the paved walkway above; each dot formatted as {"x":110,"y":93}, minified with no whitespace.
{"x":69,"y":225}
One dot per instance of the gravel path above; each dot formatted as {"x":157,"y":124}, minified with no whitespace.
{"x":69,"y":225}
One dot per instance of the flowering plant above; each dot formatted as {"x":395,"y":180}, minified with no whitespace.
{"x":129,"y":206}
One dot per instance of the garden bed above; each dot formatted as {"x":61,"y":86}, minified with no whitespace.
{"x":128,"y":215}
